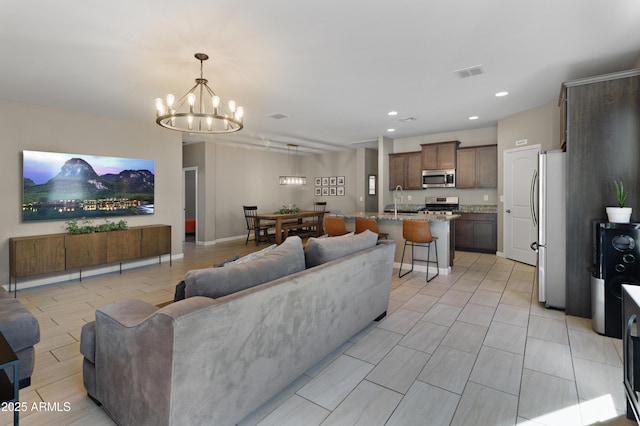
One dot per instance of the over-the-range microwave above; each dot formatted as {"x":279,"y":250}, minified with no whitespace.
{"x":439,"y":178}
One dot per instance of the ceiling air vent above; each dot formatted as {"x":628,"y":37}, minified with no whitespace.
{"x":278,"y":116}
{"x":470,"y":71}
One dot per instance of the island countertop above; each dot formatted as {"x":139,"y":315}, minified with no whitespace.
{"x":400,"y":216}
{"x":442,"y":227}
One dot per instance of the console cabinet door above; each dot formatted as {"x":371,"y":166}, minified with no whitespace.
{"x":86,"y":250}
{"x":36,"y":255}
{"x":156,"y":240}
{"x":124,"y":245}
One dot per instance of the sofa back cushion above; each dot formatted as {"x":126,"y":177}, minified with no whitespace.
{"x":322,"y":250}
{"x":286,"y":259}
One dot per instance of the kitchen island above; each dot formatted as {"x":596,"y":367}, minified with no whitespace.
{"x":391,"y":223}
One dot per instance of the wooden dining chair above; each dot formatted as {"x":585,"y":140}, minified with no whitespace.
{"x":260,"y":234}
{"x":312,"y":223}
{"x":362,"y":224}
{"x":335,"y":226}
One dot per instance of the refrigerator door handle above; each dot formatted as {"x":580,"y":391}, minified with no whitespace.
{"x":534,"y":246}
{"x":532,"y":195}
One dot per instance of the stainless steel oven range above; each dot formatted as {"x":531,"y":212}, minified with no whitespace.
{"x":441,"y":205}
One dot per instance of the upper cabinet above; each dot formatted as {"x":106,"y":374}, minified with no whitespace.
{"x":438,"y":156}
{"x":477,"y":167}
{"x":405,"y":169}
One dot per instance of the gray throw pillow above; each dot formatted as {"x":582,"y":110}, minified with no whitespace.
{"x":322,"y":250}
{"x":285,"y":259}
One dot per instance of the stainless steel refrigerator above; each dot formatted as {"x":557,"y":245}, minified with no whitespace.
{"x":551,"y":244}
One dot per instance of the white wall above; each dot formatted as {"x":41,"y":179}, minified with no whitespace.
{"x":31,"y":127}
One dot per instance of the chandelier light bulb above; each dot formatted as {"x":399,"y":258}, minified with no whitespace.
{"x":190,"y":121}
{"x":170,"y":100}
{"x":216,"y":101}
{"x":159,"y":107}
{"x":239,"y":113}
{"x":232,"y":106}
{"x":209,"y":123}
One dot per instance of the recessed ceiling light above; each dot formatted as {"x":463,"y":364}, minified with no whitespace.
{"x":392,"y":113}
{"x":500,"y":94}
{"x":391,"y":130}
{"x":473,"y":117}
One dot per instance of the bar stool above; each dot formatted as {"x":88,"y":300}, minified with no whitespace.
{"x":362,"y":224}
{"x":418,"y":233}
{"x":335,"y":226}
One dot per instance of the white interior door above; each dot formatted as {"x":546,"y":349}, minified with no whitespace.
{"x":520,"y":193}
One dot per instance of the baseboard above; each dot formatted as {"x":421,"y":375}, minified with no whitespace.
{"x":422,"y":268}
{"x":62,"y":277}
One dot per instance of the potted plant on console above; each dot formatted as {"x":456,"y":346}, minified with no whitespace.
{"x":620,"y":214}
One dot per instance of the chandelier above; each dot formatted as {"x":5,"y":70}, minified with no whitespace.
{"x":292,"y":179}
{"x":205,"y":112}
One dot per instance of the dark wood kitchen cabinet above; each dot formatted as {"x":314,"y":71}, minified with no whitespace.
{"x":439,"y":156}
{"x":405,"y":169}
{"x":477,"y":232}
{"x":477,"y":167}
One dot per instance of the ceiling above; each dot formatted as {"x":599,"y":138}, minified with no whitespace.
{"x":334,"y":68}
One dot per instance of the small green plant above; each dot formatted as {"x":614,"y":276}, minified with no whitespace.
{"x":620,"y":194}
{"x":87,"y":228}
{"x":290,"y":209}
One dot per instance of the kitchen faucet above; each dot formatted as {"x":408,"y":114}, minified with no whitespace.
{"x":395,"y":200}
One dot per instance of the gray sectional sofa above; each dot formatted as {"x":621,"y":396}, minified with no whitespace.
{"x":226,"y":349}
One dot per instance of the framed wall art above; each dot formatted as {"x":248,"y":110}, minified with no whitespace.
{"x":61,"y":186}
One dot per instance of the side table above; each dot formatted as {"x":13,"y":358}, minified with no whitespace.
{"x":9,"y":391}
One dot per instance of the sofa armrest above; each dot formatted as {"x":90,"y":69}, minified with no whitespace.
{"x":134,"y":358}
{"x":129,"y":313}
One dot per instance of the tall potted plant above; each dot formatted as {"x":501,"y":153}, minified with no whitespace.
{"x":620,"y":214}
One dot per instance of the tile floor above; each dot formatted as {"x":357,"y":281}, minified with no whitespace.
{"x":470,"y":348}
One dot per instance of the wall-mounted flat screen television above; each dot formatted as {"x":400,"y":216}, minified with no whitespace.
{"x":69,"y":186}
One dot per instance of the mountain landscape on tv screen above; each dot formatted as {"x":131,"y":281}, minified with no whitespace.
{"x":78,"y":191}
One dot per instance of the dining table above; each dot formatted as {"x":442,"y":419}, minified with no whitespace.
{"x":287,"y":221}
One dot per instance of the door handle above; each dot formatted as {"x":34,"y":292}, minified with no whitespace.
{"x":534,"y":246}
{"x":532,"y":194}
{"x":508,"y":211}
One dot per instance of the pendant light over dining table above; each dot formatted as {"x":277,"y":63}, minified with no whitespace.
{"x":292,"y":179}
{"x":200,"y":110}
